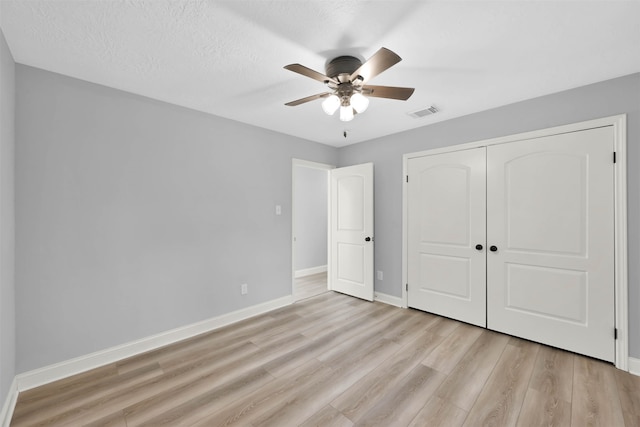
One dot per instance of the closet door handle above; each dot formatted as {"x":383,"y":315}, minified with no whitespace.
{"x":493,"y":248}
{"x":367,"y":239}
{"x":479,"y":247}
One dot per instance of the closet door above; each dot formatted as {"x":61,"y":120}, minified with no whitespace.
{"x":550,"y":220}
{"x":446,"y":235}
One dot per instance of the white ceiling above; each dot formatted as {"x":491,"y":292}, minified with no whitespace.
{"x":226,"y":57}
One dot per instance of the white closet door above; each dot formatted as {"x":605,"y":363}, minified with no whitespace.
{"x":446,"y":221}
{"x":551,"y":221}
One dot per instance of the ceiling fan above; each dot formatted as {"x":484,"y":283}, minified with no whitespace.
{"x":346,"y":77}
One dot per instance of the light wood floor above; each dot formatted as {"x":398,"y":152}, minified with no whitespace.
{"x":333,"y":360}
{"x":310,"y":286}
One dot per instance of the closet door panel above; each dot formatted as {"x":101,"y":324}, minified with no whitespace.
{"x":550,"y":217}
{"x":446,"y":220}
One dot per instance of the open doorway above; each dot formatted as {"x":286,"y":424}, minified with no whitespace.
{"x":310,"y":228}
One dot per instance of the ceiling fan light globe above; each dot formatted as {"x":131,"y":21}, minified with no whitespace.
{"x":359,"y":102}
{"x":346,"y":113}
{"x":331,"y":104}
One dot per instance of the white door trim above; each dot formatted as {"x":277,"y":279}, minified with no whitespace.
{"x":307,"y":164}
{"x":619,"y":123}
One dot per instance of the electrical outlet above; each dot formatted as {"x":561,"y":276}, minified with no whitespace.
{"x":380,"y":275}
{"x":244,"y":289}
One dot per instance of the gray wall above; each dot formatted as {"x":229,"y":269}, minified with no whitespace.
{"x":310,"y":198}
{"x":7,"y":242}
{"x":617,"y":96}
{"x":134,"y":216}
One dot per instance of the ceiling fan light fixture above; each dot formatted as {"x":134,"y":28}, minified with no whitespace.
{"x":359,"y":102}
{"x":347,"y":79}
{"x":331,"y":104}
{"x":346,"y":113}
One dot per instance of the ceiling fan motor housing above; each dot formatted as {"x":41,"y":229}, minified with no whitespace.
{"x":342,"y":67}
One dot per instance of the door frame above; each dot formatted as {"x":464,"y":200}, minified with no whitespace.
{"x":313,"y":165}
{"x":619,"y":123}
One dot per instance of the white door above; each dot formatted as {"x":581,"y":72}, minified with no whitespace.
{"x":550,"y":220}
{"x":351,"y":231}
{"x":446,"y":235}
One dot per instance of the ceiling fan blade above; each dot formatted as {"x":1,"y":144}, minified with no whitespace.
{"x":307,"y":99}
{"x":391,"y":92}
{"x":308,"y":72}
{"x":380,"y":61}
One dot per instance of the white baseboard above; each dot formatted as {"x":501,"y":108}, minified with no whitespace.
{"x":309,"y":271}
{"x":388,"y":299}
{"x":634,"y":366}
{"x":9,"y":404}
{"x":47,"y":374}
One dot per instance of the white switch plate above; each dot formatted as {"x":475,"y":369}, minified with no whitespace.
{"x":380,"y":275}
{"x":244,"y":289}
{"x":278,"y":210}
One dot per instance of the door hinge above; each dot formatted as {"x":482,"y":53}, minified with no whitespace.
{"x":406,"y":287}
{"x":407,"y":178}
{"x":614,"y":157}
{"x":615,"y":333}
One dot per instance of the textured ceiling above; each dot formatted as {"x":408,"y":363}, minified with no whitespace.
{"x":226,"y":57}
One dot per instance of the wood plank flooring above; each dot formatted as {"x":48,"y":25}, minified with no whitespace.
{"x":310,"y":286}
{"x":332,"y":360}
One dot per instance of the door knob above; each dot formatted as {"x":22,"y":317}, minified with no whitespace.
{"x":367,"y":239}
{"x":493,"y":248}
{"x":479,"y":247}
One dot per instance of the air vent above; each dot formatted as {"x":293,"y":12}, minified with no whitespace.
{"x":424,"y":112}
